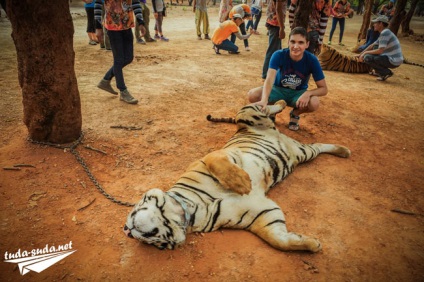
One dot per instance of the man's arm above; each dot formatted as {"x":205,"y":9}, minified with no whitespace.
{"x":266,"y":90}
{"x":281,"y":9}
{"x":243,"y":37}
{"x":321,"y":90}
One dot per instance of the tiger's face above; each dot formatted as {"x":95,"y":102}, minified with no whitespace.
{"x":156,"y":220}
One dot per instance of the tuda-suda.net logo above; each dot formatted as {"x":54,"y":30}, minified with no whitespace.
{"x":38,"y":259}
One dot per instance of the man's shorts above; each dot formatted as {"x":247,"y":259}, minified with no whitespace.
{"x":289,"y":95}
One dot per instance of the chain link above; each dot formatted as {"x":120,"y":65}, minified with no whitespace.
{"x":72,"y":148}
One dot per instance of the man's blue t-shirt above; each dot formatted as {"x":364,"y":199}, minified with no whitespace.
{"x":295,"y":75}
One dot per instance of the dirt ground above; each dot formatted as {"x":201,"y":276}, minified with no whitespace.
{"x":346,"y":203}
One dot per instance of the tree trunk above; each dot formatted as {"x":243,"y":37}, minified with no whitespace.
{"x":366,"y":19}
{"x":301,"y":17}
{"x":43,"y":37}
{"x":405,"y":23}
{"x":398,"y":16}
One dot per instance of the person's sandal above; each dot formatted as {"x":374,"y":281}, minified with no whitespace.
{"x":373,"y":73}
{"x":216,"y":49}
{"x":294,"y":121}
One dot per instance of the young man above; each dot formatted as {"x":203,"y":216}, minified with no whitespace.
{"x":385,"y":53}
{"x":287,"y":79}
{"x":224,"y":30}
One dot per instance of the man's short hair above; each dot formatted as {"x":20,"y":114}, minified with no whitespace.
{"x":299,"y":30}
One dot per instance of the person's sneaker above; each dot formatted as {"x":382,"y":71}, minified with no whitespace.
{"x":216,"y":49}
{"x":384,"y":77}
{"x":163,"y":38}
{"x":150,"y":40}
{"x":157,"y":36}
{"x":92,"y":42}
{"x":247,"y":48}
{"x":341,"y":44}
{"x":102,"y":46}
{"x":127,"y":97}
{"x":207,"y":37}
{"x":199,"y":37}
{"x":329,"y":43}
{"x":105,"y":85}
{"x":141,"y":41}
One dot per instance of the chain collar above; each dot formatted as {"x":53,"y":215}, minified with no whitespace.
{"x":183,"y":206}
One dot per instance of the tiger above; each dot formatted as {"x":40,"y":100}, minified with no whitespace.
{"x":227,"y":188}
{"x":331,"y":59}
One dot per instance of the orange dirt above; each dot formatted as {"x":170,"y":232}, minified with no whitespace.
{"x":346,"y":203}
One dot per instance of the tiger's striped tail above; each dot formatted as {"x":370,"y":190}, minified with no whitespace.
{"x":226,"y":120}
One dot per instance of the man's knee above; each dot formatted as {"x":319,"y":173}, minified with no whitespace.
{"x":254,"y":95}
{"x":313,"y":104}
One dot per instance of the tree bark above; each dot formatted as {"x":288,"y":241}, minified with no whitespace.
{"x":366,"y":19}
{"x":304,"y":9}
{"x":43,"y":37}
{"x":398,"y":16}
{"x":405,"y":23}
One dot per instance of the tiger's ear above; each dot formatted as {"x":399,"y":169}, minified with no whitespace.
{"x":229,"y":175}
{"x":155,"y":194}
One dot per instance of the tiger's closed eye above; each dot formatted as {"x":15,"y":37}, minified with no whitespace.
{"x":151,"y":233}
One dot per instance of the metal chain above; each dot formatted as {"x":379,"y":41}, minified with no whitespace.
{"x":72,"y":148}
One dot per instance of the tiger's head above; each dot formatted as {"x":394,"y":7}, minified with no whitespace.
{"x":159,"y":219}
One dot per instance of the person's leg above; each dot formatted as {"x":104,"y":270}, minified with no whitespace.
{"x":257,"y":19}
{"x":274,"y":44}
{"x":206,"y":28}
{"x":381,"y":64}
{"x":333,"y":28}
{"x":243,"y":31}
{"x":342,"y":26}
{"x":197,"y":20}
{"x":249,"y":24}
{"x":117,"y":44}
{"x":255,"y":94}
{"x":229,"y":46}
{"x":313,"y":41}
{"x":146,"y":17}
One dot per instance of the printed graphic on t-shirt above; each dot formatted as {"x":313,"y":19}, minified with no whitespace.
{"x":291,"y":81}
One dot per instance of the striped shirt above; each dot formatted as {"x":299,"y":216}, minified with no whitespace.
{"x":391,"y":45}
{"x":119,"y":14}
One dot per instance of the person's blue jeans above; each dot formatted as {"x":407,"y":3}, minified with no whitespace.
{"x":313,"y":37}
{"x":341,"y":22}
{"x":227,"y":45}
{"x":254,"y":25}
{"x":242,"y":28}
{"x":380,"y":63}
{"x":274,"y":44}
{"x":121,"y":42}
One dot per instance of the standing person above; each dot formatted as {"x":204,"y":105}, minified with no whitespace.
{"x":317,"y":23}
{"x":159,"y":10}
{"x":244,"y":11}
{"x":200,"y":9}
{"x":275,"y":17}
{"x":91,"y":23}
{"x":385,"y":53}
{"x":146,"y":18}
{"x":256,"y":11}
{"x":119,"y":19}
{"x":288,"y":76}
{"x":372,"y":36}
{"x":224,"y":30}
{"x":224,"y":9}
{"x":388,"y":9}
{"x":341,"y":10}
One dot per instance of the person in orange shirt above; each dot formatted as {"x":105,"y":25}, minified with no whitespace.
{"x":244,"y":11}
{"x":224,"y":30}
